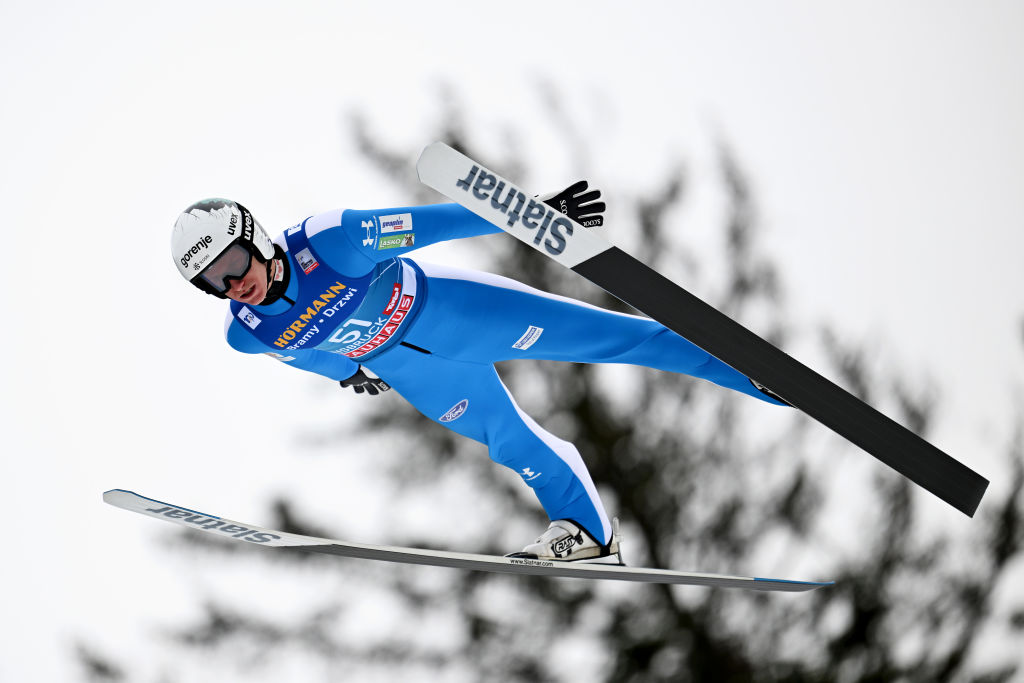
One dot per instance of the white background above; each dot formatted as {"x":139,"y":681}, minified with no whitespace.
{"x":884,"y":139}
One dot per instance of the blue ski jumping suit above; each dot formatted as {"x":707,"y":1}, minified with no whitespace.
{"x":434,"y":333}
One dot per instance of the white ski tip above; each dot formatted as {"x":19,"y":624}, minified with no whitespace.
{"x":507,"y":206}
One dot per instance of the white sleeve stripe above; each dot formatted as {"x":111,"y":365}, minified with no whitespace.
{"x":450,"y":273}
{"x":323,"y":221}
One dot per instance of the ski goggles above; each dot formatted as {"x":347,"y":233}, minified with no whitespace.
{"x":232,"y":264}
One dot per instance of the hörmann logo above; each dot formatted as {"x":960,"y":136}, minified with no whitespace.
{"x":537,"y":215}
{"x":203,"y":243}
{"x":322,"y":301}
{"x":213,"y":524}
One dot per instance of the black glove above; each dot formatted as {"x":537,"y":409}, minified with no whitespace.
{"x":578,"y":204}
{"x":360,"y":382}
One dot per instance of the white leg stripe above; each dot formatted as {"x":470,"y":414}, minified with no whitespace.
{"x":571,"y":457}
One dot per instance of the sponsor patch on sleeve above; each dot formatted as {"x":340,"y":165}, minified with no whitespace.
{"x":399,"y":222}
{"x":396,"y":241}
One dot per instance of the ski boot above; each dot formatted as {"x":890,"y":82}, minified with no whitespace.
{"x":566,"y":541}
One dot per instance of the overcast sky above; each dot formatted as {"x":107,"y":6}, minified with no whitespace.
{"x":884,"y":140}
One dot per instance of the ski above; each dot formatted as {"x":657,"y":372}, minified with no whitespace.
{"x":250,"y":533}
{"x":507,"y":206}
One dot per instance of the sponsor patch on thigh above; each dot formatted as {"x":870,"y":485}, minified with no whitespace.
{"x":529,"y":338}
{"x":455,"y":412}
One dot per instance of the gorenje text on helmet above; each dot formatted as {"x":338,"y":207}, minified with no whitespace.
{"x":203,"y":243}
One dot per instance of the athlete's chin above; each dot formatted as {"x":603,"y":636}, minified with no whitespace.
{"x":255,"y":295}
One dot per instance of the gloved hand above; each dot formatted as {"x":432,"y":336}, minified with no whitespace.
{"x":578,"y":204}
{"x":360,"y":382}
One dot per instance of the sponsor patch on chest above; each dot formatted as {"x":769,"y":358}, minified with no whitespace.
{"x":306,"y":261}
{"x":249,"y":318}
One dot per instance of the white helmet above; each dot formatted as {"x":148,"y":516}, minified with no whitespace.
{"x":214,"y":240}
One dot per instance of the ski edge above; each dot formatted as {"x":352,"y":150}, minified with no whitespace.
{"x":256,"y":535}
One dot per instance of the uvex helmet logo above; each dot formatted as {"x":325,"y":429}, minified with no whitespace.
{"x":232,"y":224}
{"x":247,"y":228}
{"x":455,"y":412}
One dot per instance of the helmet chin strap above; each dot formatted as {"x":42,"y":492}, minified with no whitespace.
{"x":277,"y":287}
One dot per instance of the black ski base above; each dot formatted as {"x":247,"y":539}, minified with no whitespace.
{"x":648,"y":291}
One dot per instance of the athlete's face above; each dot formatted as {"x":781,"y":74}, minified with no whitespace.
{"x":252,"y":287}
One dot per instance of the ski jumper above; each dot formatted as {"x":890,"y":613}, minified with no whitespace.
{"x":434,"y":333}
